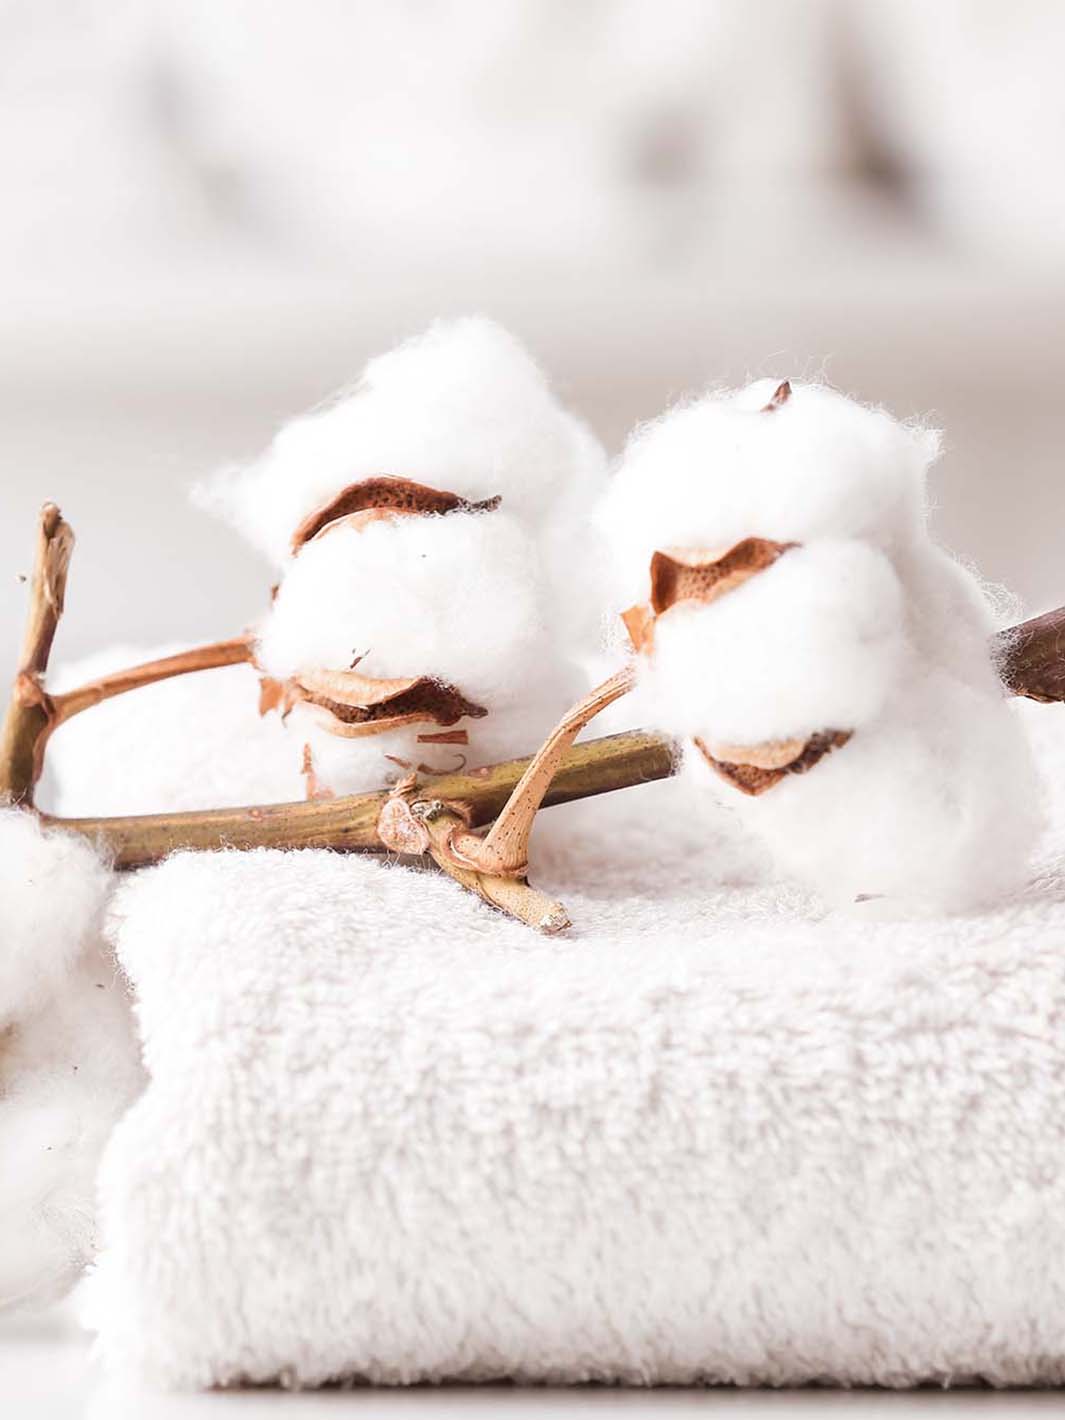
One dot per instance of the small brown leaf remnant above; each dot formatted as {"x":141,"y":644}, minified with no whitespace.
{"x":384,"y":497}
{"x":352,"y":705}
{"x":694,"y":574}
{"x":700,"y":575}
{"x":316,"y":790}
{"x":756,"y":772}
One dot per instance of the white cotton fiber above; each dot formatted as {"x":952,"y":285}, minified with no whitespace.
{"x":813,"y":640}
{"x":932,"y":807}
{"x":714,"y":471}
{"x":861,"y":626}
{"x":456,"y":598}
{"x":462,"y":408}
{"x":52,"y":887}
{"x":68,"y":1061}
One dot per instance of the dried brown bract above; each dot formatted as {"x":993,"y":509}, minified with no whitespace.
{"x":755,"y":768}
{"x":385,"y":496}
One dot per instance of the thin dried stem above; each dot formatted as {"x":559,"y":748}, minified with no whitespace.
{"x":511,"y":895}
{"x":234,"y":652}
{"x":350,"y":823}
{"x":29,"y":712}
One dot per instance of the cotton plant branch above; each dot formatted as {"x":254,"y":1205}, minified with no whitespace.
{"x":234,"y":652}
{"x":438,"y":821}
{"x":504,"y":851}
{"x":29,"y":712}
{"x":351,"y":823}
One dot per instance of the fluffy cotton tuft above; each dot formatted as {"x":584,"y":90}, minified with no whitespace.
{"x":814,"y":640}
{"x":462,"y":408}
{"x":861,"y":625}
{"x":52,"y":886}
{"x":453,"y":597}
{"x":499,"y":604}
{"x":717,"y":470}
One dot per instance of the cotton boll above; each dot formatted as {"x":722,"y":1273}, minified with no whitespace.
{"x":462,"y":408}
{"x":53,"y":886}
{"x":718,"y":470}
{"x":931,"y":808}
{"x":451,"y":597}
{"x":856,"y":626}
{"x":456,"y":598}
{"x":814,"y":641}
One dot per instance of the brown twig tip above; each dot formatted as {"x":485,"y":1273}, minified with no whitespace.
{"x":30,"y":713}
{"x":780,"y":396}
{"x":1031,"y":657}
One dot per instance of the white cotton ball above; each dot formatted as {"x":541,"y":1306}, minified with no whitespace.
{"x":462,"y":408}
{"x":814,"y":641}
{"x":52,"y":886}
{"x":865,"y":627}
{"x":455,"y":598}
{"x":933,"y":807}
{"x":718,"y":470}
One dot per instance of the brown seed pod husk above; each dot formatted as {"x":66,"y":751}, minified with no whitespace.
{"x":753,"y":779}
{"x":385,"y":496}
{"x":700,"y":575}
{"x":419,"y":701}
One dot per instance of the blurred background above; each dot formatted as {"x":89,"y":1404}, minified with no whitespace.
{"x":214,"y":210}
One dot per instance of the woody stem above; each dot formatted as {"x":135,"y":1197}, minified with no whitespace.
{"x":29,"y":713}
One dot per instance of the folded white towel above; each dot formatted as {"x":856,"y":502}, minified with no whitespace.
{"x":714,"y":1135}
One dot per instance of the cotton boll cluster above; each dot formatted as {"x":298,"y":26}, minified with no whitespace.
{"x":848,"y":674}
{"x":68,"y":1060}
{"x":491,"y":601}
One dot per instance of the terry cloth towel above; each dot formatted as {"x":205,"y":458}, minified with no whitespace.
{"x":714,"y":1135}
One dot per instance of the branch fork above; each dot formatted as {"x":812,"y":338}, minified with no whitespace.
{"x":443,"y":824}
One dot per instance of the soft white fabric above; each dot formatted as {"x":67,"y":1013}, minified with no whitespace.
{"x":68,"y":1058}
{"x":716,"y":1134}
{"x":861,"y":626}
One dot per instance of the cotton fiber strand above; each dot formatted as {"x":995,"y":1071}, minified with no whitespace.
{"x":861,"y":625}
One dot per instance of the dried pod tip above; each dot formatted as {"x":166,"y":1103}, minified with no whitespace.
{"x":780,"y":396}
{"x":696,"y":574}
{"x":384,"y":497}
